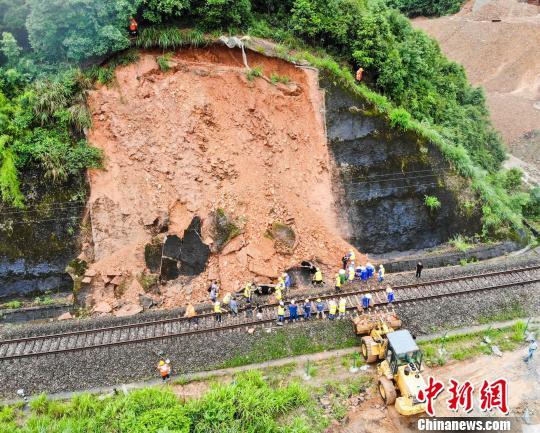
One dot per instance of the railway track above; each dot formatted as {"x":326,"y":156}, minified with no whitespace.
{"x":42,"y":345}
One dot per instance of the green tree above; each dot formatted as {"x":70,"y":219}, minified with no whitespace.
{"x":78,"y":29}
{"x":10,"y":49}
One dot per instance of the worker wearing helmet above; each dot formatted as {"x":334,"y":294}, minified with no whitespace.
{"x":342,"y":276}
{"x":293,"y":311}
{"x":248,"y":293}
{"x":390,"y":295}
{"x":370,"y":270}
{"x":332,"y":309}
{"x":381,"y":273}
{"x":342,"y":308}
{"x":278,"y":293}
{"x":338,"y":283}
{"x":164,"y":368}
{"x":352,"y":256}
{"x":133,"y":27}
{"x":317,"y":277}
{"x":366,"y":300}
{"x":307,"y":309}
{"x":320,"y":308}
{"x":351,"y":273}
{"x":287,"y":280}
{"x":281,"y":313}
{"x":217,"y":311}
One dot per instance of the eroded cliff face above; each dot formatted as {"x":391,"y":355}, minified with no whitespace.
{"x":38,"y":241}
{"x":201,"y":138}
{"x":383,"y":176}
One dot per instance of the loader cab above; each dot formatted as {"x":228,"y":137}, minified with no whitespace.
{"x":402,"y":350}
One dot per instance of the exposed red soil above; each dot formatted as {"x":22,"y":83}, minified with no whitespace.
{"x":503,"y":56}
{"x":199,"y":137}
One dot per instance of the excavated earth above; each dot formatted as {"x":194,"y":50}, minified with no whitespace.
{"x":498,"y":43}
{"x":201,"y":137}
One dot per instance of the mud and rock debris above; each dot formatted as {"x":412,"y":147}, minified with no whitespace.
{"x":203,"y":137}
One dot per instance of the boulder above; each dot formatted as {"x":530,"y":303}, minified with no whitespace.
{"x":263,"y":270}
{"x":264,"y":249}
{"x":65,"y":316}
{"x":128,"y":310}
{"x":117,"y":280}
{"x":233,"y":245}
{"x":90,"y":273}
{"x":102,"y":307}
{"x":86,"y":280}
{"x":146,"y":301}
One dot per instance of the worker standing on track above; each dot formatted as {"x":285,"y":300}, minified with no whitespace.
{"x":248,"y":293}
{"x":307,"y":309}
{"x":214,"y":291}
{"x":338,"y":283}
{"x":320,"y":309}
{"x":352,"y":257}
{"x":381,"y":273}
{"x":370,"y":270}
{"x":217,"y":311}
{"x":390,"y":295}
{"x":343,"y":276}
{"x":317,"y":277}
{"x":164,"y":368}
{"x":281,"y":313}
{"x":332,"y":309}
{"x":419,"y":267}
{"x":278,"y":294}
{"x":363,"y":273}
{"x":227,"y":299}
{"x":342,"y":308}
{"x":233,"y":305}
{"x":366,"y":300}
{"x":345,"y":260}
{"x":351,"y":273}
{"x":293,"y":311}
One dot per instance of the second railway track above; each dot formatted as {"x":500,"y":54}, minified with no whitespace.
{"x":42,"y":345}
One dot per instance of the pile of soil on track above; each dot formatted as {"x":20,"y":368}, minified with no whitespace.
{"x":200,"y":137}
{"x":498,"y":43}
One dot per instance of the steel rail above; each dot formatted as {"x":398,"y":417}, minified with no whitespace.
{"x":376,"y":305}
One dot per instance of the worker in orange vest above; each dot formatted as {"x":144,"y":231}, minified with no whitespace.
{"x":359,"y":74}
{"x":164,"y":368}
{"x":133,"y":27}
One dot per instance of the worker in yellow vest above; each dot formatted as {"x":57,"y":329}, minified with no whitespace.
{"x":278,"y":293}
{"x":338,"y":283}
{"x":281,"y":313}
{"x":317,"y":277}
{"x":332,"y":309}
{"x":217,"y":311}
{"x":248,"y":293}
{"x":342,"y":308}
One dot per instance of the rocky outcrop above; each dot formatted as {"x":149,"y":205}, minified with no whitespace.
{"x":385,"y":175}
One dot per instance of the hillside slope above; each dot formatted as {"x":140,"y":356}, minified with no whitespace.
{"x":203,"y":136}
{"x":503,"y":56}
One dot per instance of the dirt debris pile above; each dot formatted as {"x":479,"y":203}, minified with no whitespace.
{"x":498,"y":43}
{"x":200,"y":138}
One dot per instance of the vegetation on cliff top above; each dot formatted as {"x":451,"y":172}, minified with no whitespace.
{"x":406,"y":76}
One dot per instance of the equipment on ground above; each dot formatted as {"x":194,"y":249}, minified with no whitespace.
{"x":401,"y":360}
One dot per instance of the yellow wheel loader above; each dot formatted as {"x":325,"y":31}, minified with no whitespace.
{"x":373,"y":345}
{"x":399,"y":373}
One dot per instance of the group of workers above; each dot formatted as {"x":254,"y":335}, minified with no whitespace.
{"x":304,"y":310}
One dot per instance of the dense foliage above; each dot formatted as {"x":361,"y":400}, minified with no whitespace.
{"x":249,"y":404}
{"x":415,"y":8}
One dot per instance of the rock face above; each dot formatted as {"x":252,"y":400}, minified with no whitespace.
{"x":38,"y":242}
{"x":385,"y":175}
{"x":186,"y":256}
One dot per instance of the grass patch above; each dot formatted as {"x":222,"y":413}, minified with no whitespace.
{"x":164,"y":62}
{"x":467,"y":346}
{"x":43,"y":300}
{"x":432,"y":202}
{"x":12,"y":305}
{"x":283,"y":343}
{"x":508,"y":312}
{"x":460,"y":243}
{"x":254,"y":72}
{"x":275,"y":78}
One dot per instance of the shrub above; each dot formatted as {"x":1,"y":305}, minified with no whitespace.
{"x":400,"y":118}
{"x":163,"y":62}
{"x":432,"y":202}
{"x":12,"y":305}
{"x":275,"y":78}
{"x":460,"y":243}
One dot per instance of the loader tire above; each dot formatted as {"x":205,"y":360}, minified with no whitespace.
{"x":387,"y":391}
{"x":365,"y":348}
